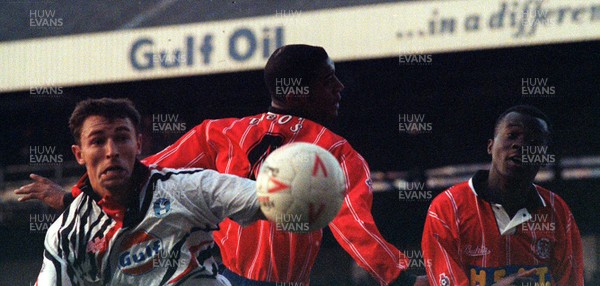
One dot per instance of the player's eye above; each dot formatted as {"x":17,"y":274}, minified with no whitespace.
{"x":97,"y":141}
{"x":121,"y":138}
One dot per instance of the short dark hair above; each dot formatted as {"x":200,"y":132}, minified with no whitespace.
{"x":527,"y":110}
{"x":110,"y":108}
{"x":293,"y":61}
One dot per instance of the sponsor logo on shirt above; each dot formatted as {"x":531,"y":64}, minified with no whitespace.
{"x":476,"y":250}
{"x":485,"y":276}
{"x":137,"y":251}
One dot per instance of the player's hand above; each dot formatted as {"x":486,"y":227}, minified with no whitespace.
{"x":407,"y":278}
{"x":421,"y":281}
{"x":42,"y":189}
{"x":523,"y":278}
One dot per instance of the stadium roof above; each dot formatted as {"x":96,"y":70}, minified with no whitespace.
{"x":81,"y":17}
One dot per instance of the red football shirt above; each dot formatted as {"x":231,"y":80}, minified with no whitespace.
{"x":464,"y":244}
{"x":260,"y":252}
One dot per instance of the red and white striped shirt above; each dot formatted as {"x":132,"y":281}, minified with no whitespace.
{"x":260,"y":252}
{"x":468,"y":241}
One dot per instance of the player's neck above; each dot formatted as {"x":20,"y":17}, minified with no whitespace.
{"x":120,"y":195}
{"x":285,"y":109}
{"x":508,"y":192}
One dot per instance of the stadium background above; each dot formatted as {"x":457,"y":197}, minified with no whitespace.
{"x":460,"y":92}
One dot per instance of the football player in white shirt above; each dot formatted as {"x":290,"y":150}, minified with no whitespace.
{"x":134,"y":225}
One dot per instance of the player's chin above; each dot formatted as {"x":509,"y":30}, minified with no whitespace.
{"x":115,"y":183}
{"x":520,"y":174}
{"x":512,"y":171}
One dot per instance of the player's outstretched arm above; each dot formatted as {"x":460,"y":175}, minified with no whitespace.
{"x":45,"y":190}
{"x":211,"y":196}
{"x":354,"y":227}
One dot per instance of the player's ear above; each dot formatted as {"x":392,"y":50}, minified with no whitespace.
{"x":490,"y":145}
{"x":77,"y":153}
{"x":292,"y":100}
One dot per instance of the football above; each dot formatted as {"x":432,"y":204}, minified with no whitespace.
{"x":300,"y":187}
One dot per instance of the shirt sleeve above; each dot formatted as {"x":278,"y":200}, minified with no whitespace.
{"x":354,"y":227}
{"x":568,"y":254}
{"x":440,"y":244}
{"x":204,"y":146}
{"x":212,"y":196}
{"x":231,"y":196}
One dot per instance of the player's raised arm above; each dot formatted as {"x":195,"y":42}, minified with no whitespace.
{"x":224,"y":195}
{"x":232,"y":196}
{"x":441,"y":242}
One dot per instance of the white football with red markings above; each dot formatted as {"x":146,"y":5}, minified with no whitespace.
{"x":300,"y":187}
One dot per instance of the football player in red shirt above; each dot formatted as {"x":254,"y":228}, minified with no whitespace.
{"x":500,"y":228}
{"x":305,"y":97}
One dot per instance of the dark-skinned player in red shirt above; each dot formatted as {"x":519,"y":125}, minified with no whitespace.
{"x":499,"y":228}
{"x":305,"y":94}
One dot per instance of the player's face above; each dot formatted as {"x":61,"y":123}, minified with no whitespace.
{"x":108,"y":149}
{"x":324,"y":100}
{"x":514,"y":132}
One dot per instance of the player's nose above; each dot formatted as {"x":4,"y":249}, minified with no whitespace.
{"x":111,"y":149}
